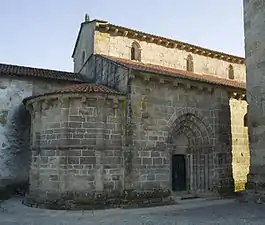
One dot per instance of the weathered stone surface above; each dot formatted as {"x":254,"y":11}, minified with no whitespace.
{"x":254,"y":15}
{"x":15,"y":124}
{"x":71,"y":155}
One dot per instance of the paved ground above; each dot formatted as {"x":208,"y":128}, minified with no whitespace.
{"x":197,"y":213}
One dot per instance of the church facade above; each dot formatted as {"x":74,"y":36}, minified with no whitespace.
{"x":141,"y":112}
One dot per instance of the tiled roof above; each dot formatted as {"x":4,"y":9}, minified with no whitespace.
{"x":79,"y":88}
{"x":152,"y":68}
{"x":86,"y":88}
{"x":15,"y":70}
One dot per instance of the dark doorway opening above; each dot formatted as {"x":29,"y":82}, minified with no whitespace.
{"x":178,"y":173}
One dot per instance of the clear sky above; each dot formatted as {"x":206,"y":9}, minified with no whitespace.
{"x":42,"y":33}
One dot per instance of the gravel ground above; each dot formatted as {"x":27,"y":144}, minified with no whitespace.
{"x":226,"y":212}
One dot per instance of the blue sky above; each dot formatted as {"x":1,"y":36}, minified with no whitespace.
{"x":43,"y":33}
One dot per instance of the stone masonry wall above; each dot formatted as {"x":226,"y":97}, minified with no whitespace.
{"x":14,"y":125}
{"x":240,"y":148}
{"x":77,"y":146}
{"x":120,"y":46}
{"x":84,"y":44}
{"x":254,"y":14}
{"x":155,"y":107}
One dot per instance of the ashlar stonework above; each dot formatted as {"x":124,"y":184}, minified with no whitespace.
{"x":150,"y":118}
{"x":254,"y":49}
{"x":77,"y":142}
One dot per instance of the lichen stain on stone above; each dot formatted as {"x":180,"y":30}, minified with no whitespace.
{"x":3,"y":117}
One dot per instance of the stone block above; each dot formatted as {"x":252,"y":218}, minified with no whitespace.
{"x":87,"y":160}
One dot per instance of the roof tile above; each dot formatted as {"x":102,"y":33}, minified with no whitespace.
{"x":146,"y":67}
{"x":78,"y":88}
{"x":87,"y":88}
{"x":15,"y":70}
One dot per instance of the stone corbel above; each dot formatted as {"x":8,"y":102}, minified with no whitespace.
{"x":83,"y":99}
{"x":200,"y":87}
{"x":159,"y":41}
{"x":234,"y":95}
{"x":188,"y":86}
{"x":131,"y":76}
{"x":243,"y":97}
{"x":135,"y":35}
{"x":147,"y":78}
{"x":182,"y":47}
{"x":36,"y":106}
{"x":161,"y":81}
{"x":167,"y":43}
{"x":63,"y":101}
{"x":45,"y":104}
{"x":143,"y":37}
{"x":116,"y":31}
{"x":115,"y":103}
{"x":107,"y":28}
{"x":125,"y":33}
{"x":175,"y":83}
{"x":175,"y":45}
{"x":209,"y":89}
{"x":190,"y":49}
{"x":152,"y":39}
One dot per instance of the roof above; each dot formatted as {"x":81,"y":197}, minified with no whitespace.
{"x":104,"y":26}
{"x":15,"y":70}
{"x":84,"y":88}
{"x":152,"y":68}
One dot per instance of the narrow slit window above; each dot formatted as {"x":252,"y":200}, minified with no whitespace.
{"x":83,"y":57}
{"x":135,"y":51}
{"x":231,"y":74}
{"x":190,"y":64}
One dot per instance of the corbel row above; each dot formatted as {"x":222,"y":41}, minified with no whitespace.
{"x":237,"y":95}
{"x":176,"y":83}
{"x":115,"y":30}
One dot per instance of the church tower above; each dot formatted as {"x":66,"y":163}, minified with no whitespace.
{"x":254,"y":24}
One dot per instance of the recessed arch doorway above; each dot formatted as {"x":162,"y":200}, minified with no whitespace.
{"x":191,"y":154}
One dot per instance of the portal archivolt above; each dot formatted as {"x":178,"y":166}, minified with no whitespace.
{"x":194,"y":133}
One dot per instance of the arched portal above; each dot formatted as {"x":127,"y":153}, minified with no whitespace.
{"x":190,"y":139}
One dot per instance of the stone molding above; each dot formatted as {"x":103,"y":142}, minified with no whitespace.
{"x":42,"y":102}
{"x":190,"y":110}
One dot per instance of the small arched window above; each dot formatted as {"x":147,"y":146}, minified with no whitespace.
{"x":83,"y":57}
{"x":231,"y":72}
{"x":135,"y":51}
{"x":246,"y":120}
{"x":190,"y":65}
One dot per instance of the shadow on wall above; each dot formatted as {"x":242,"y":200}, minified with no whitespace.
{"x":17,"y":153}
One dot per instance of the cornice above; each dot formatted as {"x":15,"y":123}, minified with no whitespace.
{"x":166,"y":42}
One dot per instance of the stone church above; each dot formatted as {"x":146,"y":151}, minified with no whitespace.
{"x":139,"y":112}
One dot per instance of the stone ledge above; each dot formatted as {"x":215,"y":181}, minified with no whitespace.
{"x":93,"y":201}
{"x":75,"y":147}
